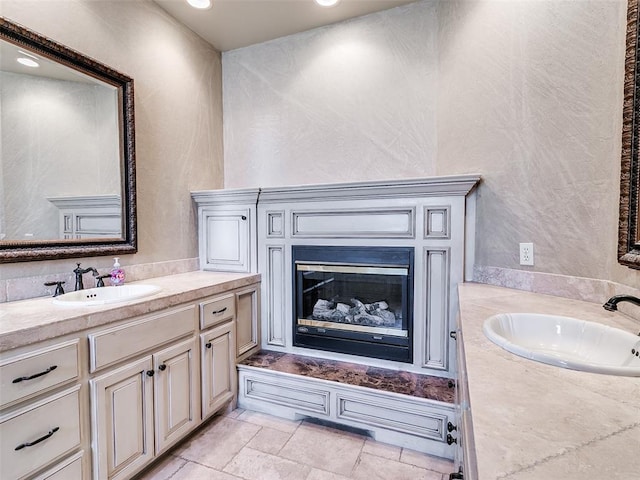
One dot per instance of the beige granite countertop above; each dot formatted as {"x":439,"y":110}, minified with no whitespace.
{"x":28,"y":321}
{"x":536,"y":421}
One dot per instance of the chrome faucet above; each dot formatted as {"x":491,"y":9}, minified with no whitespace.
{"x":81,"y":271}
{"x":612,"y":303}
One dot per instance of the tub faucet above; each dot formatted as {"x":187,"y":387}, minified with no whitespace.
{"x":81,"y":271}
{"x":612,"y":303}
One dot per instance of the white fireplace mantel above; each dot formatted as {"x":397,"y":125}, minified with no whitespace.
{"x":253,"y":230}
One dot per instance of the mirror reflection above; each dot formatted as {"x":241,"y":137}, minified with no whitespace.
{"x":67,"y":158}
{"x":59,"y":151}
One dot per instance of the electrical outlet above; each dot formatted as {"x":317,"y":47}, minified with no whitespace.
{"x":526,"y":254}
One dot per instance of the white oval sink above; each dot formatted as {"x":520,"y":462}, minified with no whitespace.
{"x":103,"y":295}
{"x":566,"y":342}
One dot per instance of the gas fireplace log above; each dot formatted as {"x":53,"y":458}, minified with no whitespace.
{"x":373,"y":314}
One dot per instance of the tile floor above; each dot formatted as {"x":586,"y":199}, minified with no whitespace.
{"x":254,"y":446}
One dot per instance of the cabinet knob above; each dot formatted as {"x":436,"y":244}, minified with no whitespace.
{"x":163,"y":367}
{"x":208,"y":345}
{"x":243,"y":217}
{"x":150,"y":373}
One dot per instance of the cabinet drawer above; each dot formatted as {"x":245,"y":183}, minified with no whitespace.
{"x":70,"y":469}
{"x":419,"y":420}
{"x":118,"y":343}
{"x":27,"y":375}
{"x":217,"y":311}
{"x":51,"y":426}
{"x":296,"y":395}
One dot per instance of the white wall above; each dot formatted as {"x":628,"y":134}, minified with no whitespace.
{"x":527,"y":93}
{"x":178,"y":118}
{"x":347,"y":102}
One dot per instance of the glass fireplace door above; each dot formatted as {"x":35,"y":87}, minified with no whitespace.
{"x":354,"y":300}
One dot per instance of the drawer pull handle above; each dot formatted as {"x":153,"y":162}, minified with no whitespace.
{"x":31,"y":444}
{"x":162,"y":367}
{"x":21,"y":379}
{"x":208,"y":345}
{"x":216,"y":312}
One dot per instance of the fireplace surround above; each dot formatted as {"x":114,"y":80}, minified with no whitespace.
{"x":260,"y":229}
{"x":354,"y":300}
{"x":363,"y":273}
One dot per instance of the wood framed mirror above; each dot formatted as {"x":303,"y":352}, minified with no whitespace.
{"x":628,"y":234}
{"x":67,"y":159}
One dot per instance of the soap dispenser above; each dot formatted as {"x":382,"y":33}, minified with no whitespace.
{"x":117,"y":273}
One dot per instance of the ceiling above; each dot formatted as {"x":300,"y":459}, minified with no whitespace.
{"x":231,"y":24}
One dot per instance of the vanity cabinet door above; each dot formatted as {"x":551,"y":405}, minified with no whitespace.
{"x":247,"y":322}
{"x":218,"y":368}
{"x":176,"y":394}
{"x":122,"y":420}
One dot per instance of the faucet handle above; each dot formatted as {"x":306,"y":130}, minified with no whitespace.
{"x":101,"y":278}
{"x":59,"y":289}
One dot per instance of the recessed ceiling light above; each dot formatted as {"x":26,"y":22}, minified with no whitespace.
{"x":201,"y":4}
{"x":28,"y":62}
{"x":327,"y":3}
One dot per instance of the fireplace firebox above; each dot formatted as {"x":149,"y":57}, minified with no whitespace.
{"x":354,"y":300}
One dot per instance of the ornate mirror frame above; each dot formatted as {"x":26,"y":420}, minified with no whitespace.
{"x":16,"y":251}
{"x":628,"y":235}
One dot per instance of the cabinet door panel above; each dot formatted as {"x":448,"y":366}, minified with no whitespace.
{"x":175,"y":393}
{"x":225,"y":241}
{"x":218,"y":368}
{"x":122,"y":418}
{"x":247,"y":322}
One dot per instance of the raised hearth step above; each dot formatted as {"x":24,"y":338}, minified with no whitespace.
{"x":396,"y":407}
{"x":405,"y":383}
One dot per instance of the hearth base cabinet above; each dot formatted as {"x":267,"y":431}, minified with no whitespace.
{"x":410,"y":422}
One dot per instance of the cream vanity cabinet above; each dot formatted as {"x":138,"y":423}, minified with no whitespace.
{"x":217,"y":347}
{"x":127,"y":390}
{"x":41,"y":412}
{"x":230,"y":327}
{"x":150,"y":398}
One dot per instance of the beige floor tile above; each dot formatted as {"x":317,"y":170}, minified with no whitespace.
{"x":164,"y":469}
{"x":317,"y":474}
{"x":217,"y":445}
{"x":235,"y":413}
{"x":370,"y":467}
{"x":193,"y":471}
{"x":269,"y":440}
{"x":324,"y":448}
{"x":381,"y":449}
{"x":423,"y":460}
{"x":251,"y":464}
{"x":257,"y":418}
